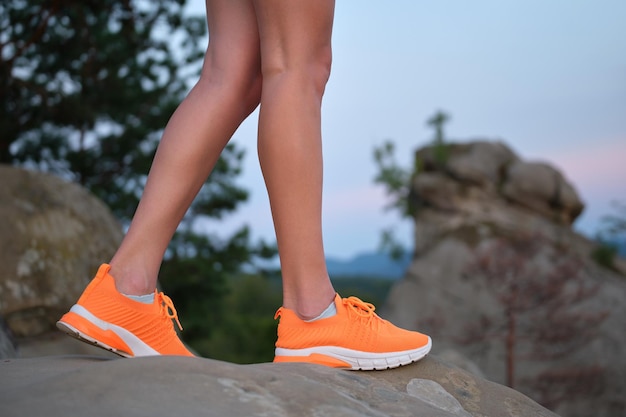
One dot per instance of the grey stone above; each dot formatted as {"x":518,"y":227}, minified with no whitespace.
{"x":7,"y":342}
{"x":433,"y":393}
{"x":166,"y":386}
{"x":455,"y":358}
{"x":53,"y":236}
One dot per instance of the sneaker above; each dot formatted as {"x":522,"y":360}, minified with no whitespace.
{"x":354,"y":338}
{"x":105,"y":318}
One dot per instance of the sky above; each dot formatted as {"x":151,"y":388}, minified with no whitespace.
{"x":548,"y":78}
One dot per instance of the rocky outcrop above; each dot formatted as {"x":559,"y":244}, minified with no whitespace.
{"x":53,"y":236}
{"x":168,"y":386}
{"x":499,"y":276}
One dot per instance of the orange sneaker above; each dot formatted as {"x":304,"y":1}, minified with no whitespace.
{"x":354,"y":338}
{"x":105,"y":318}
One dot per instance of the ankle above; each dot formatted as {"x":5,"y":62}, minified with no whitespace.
{"x":330,"y":311}
{"x":310,"y":308}
{"x":132,"y":282}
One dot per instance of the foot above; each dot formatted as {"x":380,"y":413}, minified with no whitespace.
{"x":354,"y":338}
{"x":105,"y":318}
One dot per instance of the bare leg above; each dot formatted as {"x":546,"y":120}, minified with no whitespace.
{"x":228,"y":91}
{"x":296,"y":56}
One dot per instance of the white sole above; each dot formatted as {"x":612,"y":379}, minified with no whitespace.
{"x":138,"y":347}
{"x":358,"y":360}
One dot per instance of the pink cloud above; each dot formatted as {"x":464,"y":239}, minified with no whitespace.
{"x":594,"y":167}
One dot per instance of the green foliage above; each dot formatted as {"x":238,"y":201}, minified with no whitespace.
{"x":393,"y":177}
{"x":246,"y":331}
{"x":194,"y":275}
{"x":604,"y":255}
{"x":612,"y":234}
{"x":390,"y":245}
{"x":370,"y":289}
{"x":87,"y":86}
{"x":614,"y":224}
{"x":440,"y":147}
{"x":398,"y":180}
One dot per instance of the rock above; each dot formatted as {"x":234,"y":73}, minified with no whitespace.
{"x":540,"y":187}
{"x":166,"y":386}
{"x":455,"y":358}
{"x":433,"y":393}
{"x":479,"y":162}
{"x":7,"y":343}
{"x":461,"y":213}
{"x":57,"y":343}
{"x":53,"y":236}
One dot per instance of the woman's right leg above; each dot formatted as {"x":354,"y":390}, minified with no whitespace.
{"x":295,"y":40}
{"x":296,"y":54}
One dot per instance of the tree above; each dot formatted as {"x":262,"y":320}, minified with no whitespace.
{"x":440,"y":148}
{"x":540,"y":291}
{"x":86,"y":88}
{"x":395,"y":179}
{"x":611,"y":239}
{"x":615,"y":223}
{"x":398,"y":180}
{"x":437,"y":121}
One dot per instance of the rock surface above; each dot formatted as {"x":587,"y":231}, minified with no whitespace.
{"x":47,"y":230}
{"x":167,"y":386}
{"x":51,"y":233}
{"x":480,"y":195}
{"x":8,"y":348}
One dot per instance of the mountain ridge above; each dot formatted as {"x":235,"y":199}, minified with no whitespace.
{"x":369,"y":264}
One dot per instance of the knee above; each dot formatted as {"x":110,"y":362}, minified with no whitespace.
{"x":323,"y":67}
{"x":239,"y":78}
{"x":310,"y":71}
{"x":251,"y":90}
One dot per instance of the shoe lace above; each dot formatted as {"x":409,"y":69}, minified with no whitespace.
{"x":360,"y":307}
{"x":168,"y":310}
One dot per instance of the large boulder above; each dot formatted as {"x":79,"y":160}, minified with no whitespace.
{"x":493,"y":241}
{"x":53,"y":236}
{"x":166,"y":386}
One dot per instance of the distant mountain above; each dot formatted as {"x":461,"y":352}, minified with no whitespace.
{"x":369,"y":264}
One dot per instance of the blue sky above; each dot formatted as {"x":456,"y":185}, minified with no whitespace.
{"x":546,"y":77}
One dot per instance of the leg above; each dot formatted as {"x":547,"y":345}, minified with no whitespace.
{"x":295,"y":59}
{"x":227,"y":92}
{"x":295,"y":40}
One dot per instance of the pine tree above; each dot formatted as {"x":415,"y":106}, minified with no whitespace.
{"x":87,"y":87}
